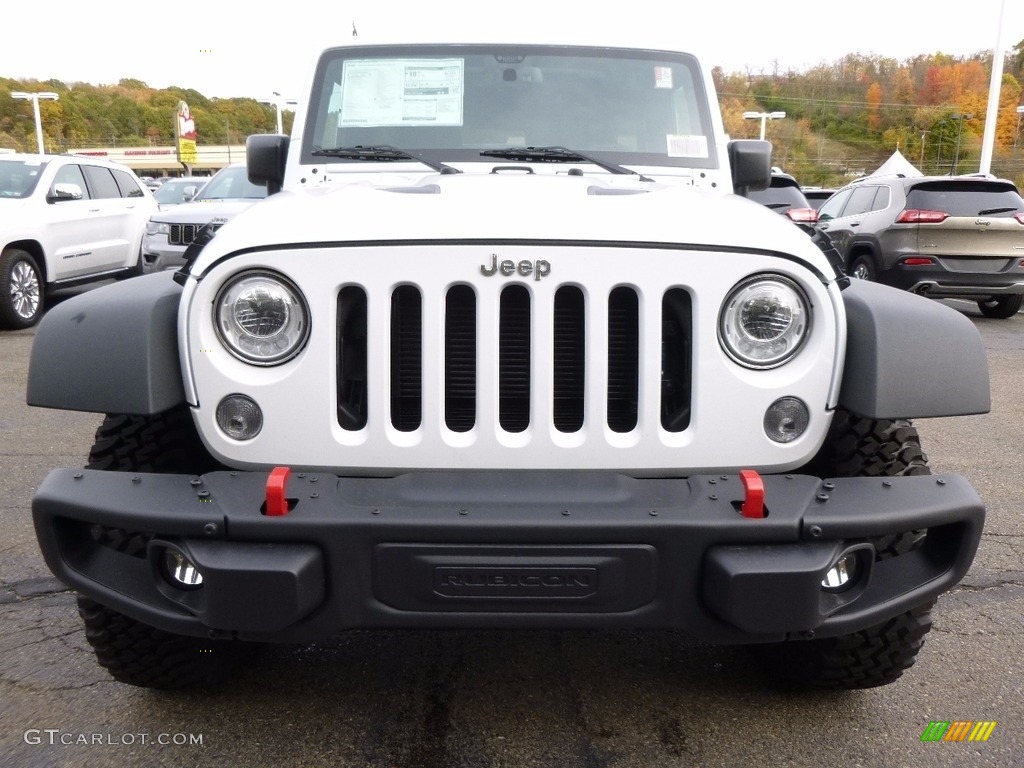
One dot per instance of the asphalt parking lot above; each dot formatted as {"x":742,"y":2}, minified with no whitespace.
{"x":394,"y":699}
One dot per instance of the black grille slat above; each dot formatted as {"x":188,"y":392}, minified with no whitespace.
{"x":676,"y":357}
{"x":460,"y":359}
{"x":569,"y":359}
{"x":514,"y":359}
{"x":623,"y":359}
{"x":406,"y":358}
{"x":352,"y":383}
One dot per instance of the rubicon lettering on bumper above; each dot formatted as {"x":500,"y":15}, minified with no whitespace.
{"x":521,"y":582}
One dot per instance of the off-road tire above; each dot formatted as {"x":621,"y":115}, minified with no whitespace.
{"x":19,"y":273}
{"x":861,"y":447}
{"x":141,"y":655}
{"x":875,"y":656}
{"x":133,"y":652}
{"x":1001,"y":308}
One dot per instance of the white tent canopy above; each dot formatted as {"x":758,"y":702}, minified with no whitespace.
{"x":897,"y":165}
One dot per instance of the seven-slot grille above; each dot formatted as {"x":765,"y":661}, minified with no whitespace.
{"x":515,"y":392}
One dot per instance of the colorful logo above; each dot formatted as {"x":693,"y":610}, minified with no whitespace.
{"x":958,"y":730}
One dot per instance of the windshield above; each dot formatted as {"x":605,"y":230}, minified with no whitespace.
{"x":452,"y":102}
{"x":18,"y":178}
{"x":232,"y":184}
{"x":173,"y":192}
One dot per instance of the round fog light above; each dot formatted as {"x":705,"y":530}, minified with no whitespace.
{"x":181,"y":571}
{"x":239,"y":417}
{"x":786,"y":419}
{"x":842,"y":573}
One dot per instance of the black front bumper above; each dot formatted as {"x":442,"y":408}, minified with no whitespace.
{"x":504,"y":550}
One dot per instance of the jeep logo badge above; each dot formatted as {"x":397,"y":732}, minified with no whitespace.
{"x":538,"y":269}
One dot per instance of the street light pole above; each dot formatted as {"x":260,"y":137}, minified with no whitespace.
{"x":764,"y":117}
{"x":278,"y":101}
{"x":34,"y":98}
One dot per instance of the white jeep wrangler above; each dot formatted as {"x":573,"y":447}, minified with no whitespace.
{"x":505,"y":348}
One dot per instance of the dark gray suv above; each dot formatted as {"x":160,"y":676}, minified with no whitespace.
{"x":959,"y":237}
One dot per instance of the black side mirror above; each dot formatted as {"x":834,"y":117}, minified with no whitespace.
{"x":751,"y":163}
{"x":265,"y":158}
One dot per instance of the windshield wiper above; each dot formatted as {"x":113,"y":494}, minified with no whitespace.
{"x":986,"y":211}
{"x":382,"y":153}
{"x":557,"y":155}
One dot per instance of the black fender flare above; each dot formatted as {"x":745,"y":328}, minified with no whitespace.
{"x":910,"y":357}
{"x":113,"y":349}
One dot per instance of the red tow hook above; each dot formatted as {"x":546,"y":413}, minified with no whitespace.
{"x":753,"y":494}
{"x":277,"y":504}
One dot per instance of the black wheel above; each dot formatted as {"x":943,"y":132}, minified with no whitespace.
{"x":879,"y":655}
{"x":21,"y":290}
{"x":862,"y":268}
{"x":1001,"y":308}
{"x":859,"y":447}
{"x":133,"y":652}
{"x":875,"y":656}
{"x":137,"y":654}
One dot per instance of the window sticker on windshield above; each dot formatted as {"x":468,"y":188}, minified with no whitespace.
{"x":410,"y":92}
{"x":687,"y":146}
{"x":663,"y":77}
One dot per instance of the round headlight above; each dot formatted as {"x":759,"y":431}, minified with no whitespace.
{"x":764,"y":322}
{"x":261,"y":318}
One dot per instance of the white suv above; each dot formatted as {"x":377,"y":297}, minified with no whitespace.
{"x":65,"y":220}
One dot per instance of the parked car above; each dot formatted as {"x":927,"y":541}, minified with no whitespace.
{"x":785,"y":197}
{"x":177,"y":191}
{"x":65,"y":220}
{"x":169,"y":233}
{"x":943,"y":237}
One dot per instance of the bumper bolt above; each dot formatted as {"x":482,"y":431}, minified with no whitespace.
{"x":210,"y":529}
{"x":204,"y":494}
{"x":195,"y":482}
{"x":815,"y":532}
{"x":654,"y":513}
{"x":77,"y":475}
{"x":463,"y":511}
{"x":301,"y":474}
{"x":887,"y":483}
{"x":828,"y":485}
{"x":313,"y":479}
{"x":375,"y":512}
{"x":712,"y":481}
{"x":136,"y":479}
{"x":822,"y":497}
{"x":565,"y":513}
{"x":314,"y":495}
{"x":940,"y":481}
{"x":713,"y":497}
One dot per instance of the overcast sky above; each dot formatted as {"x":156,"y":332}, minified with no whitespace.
{"x":223,"y":49}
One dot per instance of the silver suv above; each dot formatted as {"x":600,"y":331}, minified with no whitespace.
{"x":943,"y":237}
{"x":170,"y":232}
